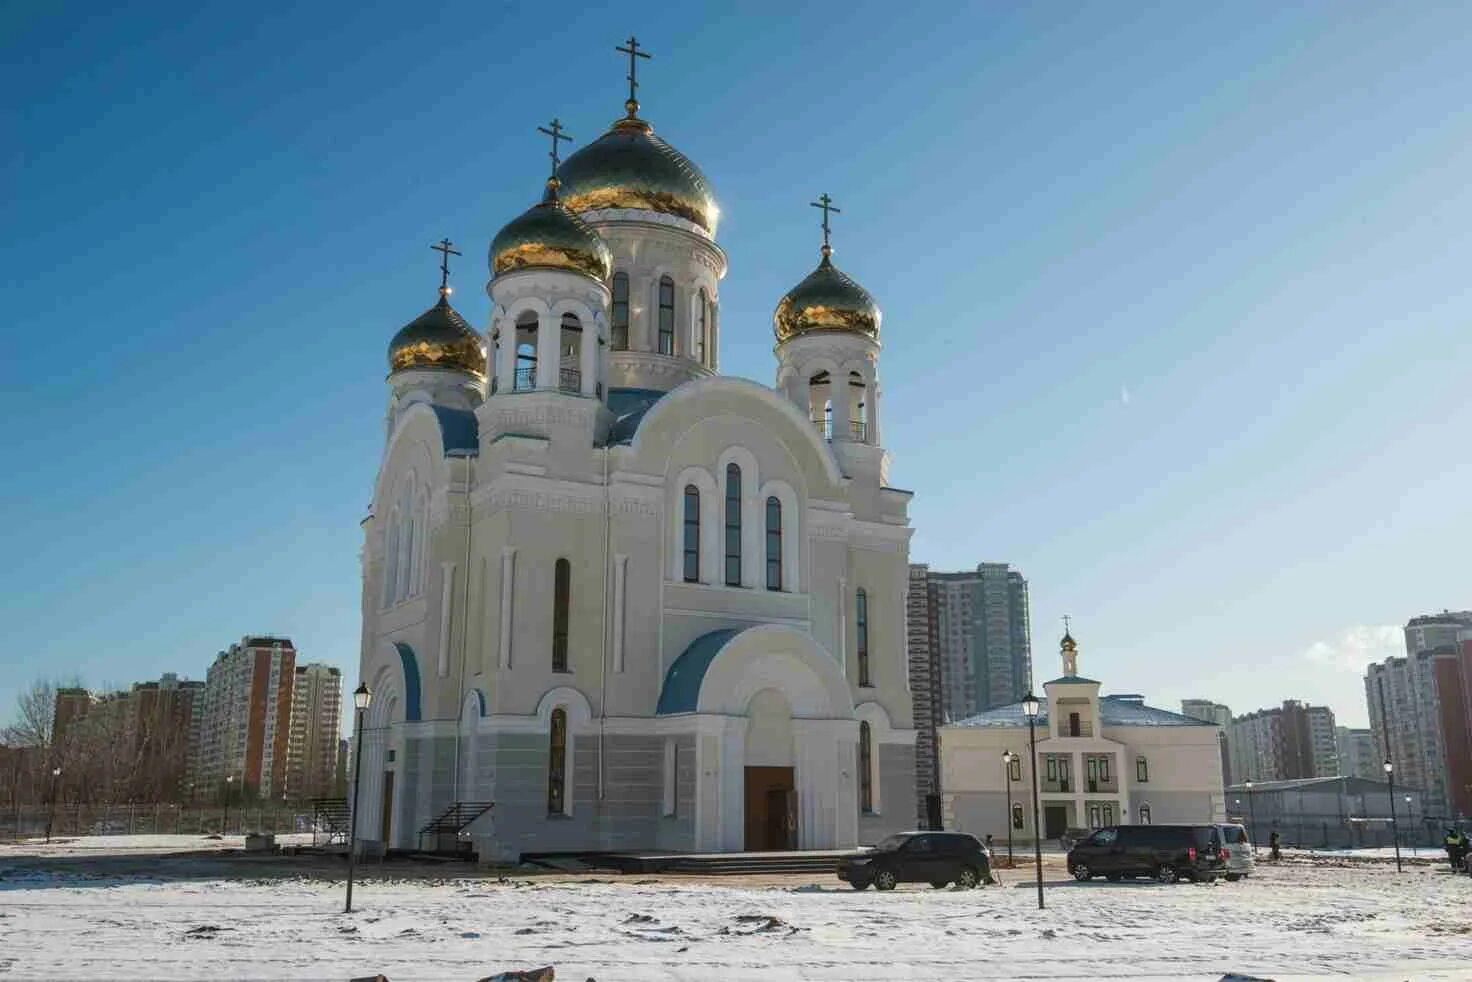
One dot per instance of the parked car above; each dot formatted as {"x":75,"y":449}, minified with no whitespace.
{"x":1072,"y":837}
{"x":1166,"y":852}
{"x":1241,"y":860}
{"x":937,"y":858}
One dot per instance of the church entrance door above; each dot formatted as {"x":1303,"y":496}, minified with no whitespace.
{"x":388,"y":807}
{"x":771,"y":809}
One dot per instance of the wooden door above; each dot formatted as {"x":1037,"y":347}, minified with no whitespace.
{"x":771,"y":815}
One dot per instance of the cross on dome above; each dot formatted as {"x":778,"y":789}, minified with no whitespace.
{"x":632,"y":105}
{"x":443,"y":246}
{"x":557,"y":136}
{"x":826,"y":204}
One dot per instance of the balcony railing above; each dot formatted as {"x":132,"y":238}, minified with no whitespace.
{"x":570,"y":380}
{"x":858,"y":429}
{"x":525,"y":379}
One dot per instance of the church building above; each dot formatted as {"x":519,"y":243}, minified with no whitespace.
{"x":627,"y":600}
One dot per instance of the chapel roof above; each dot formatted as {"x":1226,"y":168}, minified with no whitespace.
{"x":1113,"y":711}
{"x":681,"y":691}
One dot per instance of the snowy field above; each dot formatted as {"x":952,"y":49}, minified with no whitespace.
{"x":1302,"y":919}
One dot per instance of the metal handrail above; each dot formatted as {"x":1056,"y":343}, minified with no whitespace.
{"x":570,"y":380}
{"x":525,"y":378}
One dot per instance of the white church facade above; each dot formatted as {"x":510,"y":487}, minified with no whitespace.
{"x":632,"y":602}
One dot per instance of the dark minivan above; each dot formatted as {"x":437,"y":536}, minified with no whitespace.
{"x":1166,"y":852}
{"x":937,"y":858}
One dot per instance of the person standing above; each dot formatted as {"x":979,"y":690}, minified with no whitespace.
{"x":1273,"y":851}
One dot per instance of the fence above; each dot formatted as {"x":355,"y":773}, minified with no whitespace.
{"x":1314,"y":832}
{"x":74,"y":818}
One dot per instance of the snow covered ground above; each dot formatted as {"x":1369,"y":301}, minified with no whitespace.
{"x":1299,"y":919}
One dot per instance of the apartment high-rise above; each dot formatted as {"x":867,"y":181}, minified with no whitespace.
{"x":316,"y":728}
{"x":925,"y":688}
{"x":980,"y":637}
{"x":1357,"y":754}
{"x":1427,"y":713}
{"x":133,"y":743}
{"x":1284,"y":743}
{"x":1213,"y":712}
{"x":245,"y":718}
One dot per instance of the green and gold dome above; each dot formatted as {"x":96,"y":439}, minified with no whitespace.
{"x":629,"y":167}
{"x":827,"y":300}
{"x":550,"y":236}
{"x":438,"y":338}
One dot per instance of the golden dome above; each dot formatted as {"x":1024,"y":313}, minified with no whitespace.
{"x":438,"y":338}
{"x":549,"y":236}
{"x":630,"y":167}
{"x":828,"y":300}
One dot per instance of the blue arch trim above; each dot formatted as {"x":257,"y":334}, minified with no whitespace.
{"x":411,"y":682}
{"x":681,"y":691}
{"x":480,"y":700}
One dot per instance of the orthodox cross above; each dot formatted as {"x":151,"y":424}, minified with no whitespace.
{"x":826,"y":203}
{"x":557,"y":136}
{"x":1067,"y":625}
{"x":634,"y":55}
{"x":443,"y":248}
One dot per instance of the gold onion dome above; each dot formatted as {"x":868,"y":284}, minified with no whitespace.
{"x":549,"y":236}
{"x":630,"y":167}
{"x":828,"y":300}
{"x":438,"y":338}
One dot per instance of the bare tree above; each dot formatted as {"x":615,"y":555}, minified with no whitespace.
{"x":35,"y":715}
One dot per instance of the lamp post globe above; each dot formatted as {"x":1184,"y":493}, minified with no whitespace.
{"x":1030,"y":709}
{"x":1007,"y":758}
{"x":362,"y":696}
{"x":1394,"y":824}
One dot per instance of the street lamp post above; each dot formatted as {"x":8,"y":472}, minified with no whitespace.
{"x":1411,"y":821}
{"x":1007,"y":758}
{"x":361,"y":697}
{"x":225,"y":819}
{"x":1030,"y":710}
{"x":1394,"y":827}
{"x":51,"y":812}
{"x":1251,"y":815}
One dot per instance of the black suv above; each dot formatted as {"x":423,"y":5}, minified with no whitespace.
{"x":1166,"y":852}
{"x":937,"y":858}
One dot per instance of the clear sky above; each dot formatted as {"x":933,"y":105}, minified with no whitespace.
{"x":1176,"y":299}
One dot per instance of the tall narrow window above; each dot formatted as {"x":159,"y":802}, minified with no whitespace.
{"x":1144,"y":814}
{"x":525,"y":374}
{"x":733,"y":525}
{"x":557,"y":764}
{"x":1074,"y":727}
{"x":692,"y":534}
{"x":561,"y":595}
{"x":774,"y":544}
{"x":866,"y":769}
{"x":1015,"y":769}
{"x":861,"y":632}
{"x":666,"y":316}
{"x":1016,"y":815}
{"x":620,"y":311}
{"x":1142,"y":770}
{"x":702,"y":329}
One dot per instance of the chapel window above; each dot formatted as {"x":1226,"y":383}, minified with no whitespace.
{"x":861,"y":617}
{"x":557,"y":764}
{"x":733,"y":525}
{"x":666,"y":316}
{"x":561,"y":596}
{"x":702,"y":329}
{"x":1017,"y":815}
{"x":774,"y":544}
{"x":620,"y":311}
{"x":692,"y":534}
{"x":866,"y":769}
{"x":1142,"y":770}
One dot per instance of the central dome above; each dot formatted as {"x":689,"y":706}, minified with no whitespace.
{"x":630,"y":167}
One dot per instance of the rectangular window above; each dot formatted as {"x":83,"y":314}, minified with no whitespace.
{"x":861,"y":616}
{"x":1052,"y":768}
{"x":1142,"y":770}
{"x":1073,"y":724}
{"x":620,"y":312}
{"x":671,"y":777}
{"x":733,"y":525}
{"x":1016,"y":768}
{"x":666,"y":316}
{"x":692,"y":534}
{"x":562,"y":589}
{"x":1104,"y":769}
{"x":774,"y":544}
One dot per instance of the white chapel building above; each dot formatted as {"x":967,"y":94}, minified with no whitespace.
{"x":632,"y":602}
{"x":1101,"y":760}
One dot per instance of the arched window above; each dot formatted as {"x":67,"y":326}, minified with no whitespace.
{"x":525,"y":376}
{"x":666,"y":316}
{"x":561,"y":595}
{"x":774,"y":544}
{"x":702,"y":329}
{"x":1017,"y":815}
{"x":620,"y":311}
{"x":391,"y":561}
{"x":1144,"y":814}
{"x":866,"y":769}
{"x":692,"y":534}
{"x":733,"y":525}
{"x":570,"y":354}
{"x":858,"y":424}
{"x":557,"y":764}
{"x":861,"y":634}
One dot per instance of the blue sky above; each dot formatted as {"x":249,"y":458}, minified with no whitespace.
{"x":1176,"y":299}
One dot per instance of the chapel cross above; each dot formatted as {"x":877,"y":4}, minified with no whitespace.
{"x":634,"y":55}
{"x":1067,"y":625}
{"x":443,"y":248}
{"x":557,"y":136}
{"x":826,"y":203}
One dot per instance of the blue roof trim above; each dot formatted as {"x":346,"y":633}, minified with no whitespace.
{"x":411,"y":682}
{"x":681,"y":691}
{"x":458,"y":428}
{"x":480,"y":699}
{"x":1073,"y":678}
{"x":1114,"y":710}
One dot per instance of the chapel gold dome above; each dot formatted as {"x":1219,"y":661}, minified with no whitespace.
{"x":438,"y":338}
{"x":630,"y":167}
{"x":549,"y":236}
{"x":828,"y":300}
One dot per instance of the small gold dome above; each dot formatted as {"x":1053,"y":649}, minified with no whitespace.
{"x":549,"y":236}
{"x":438,"y":338}
{"x":828,"y":300}
{"x":630,"y":167}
